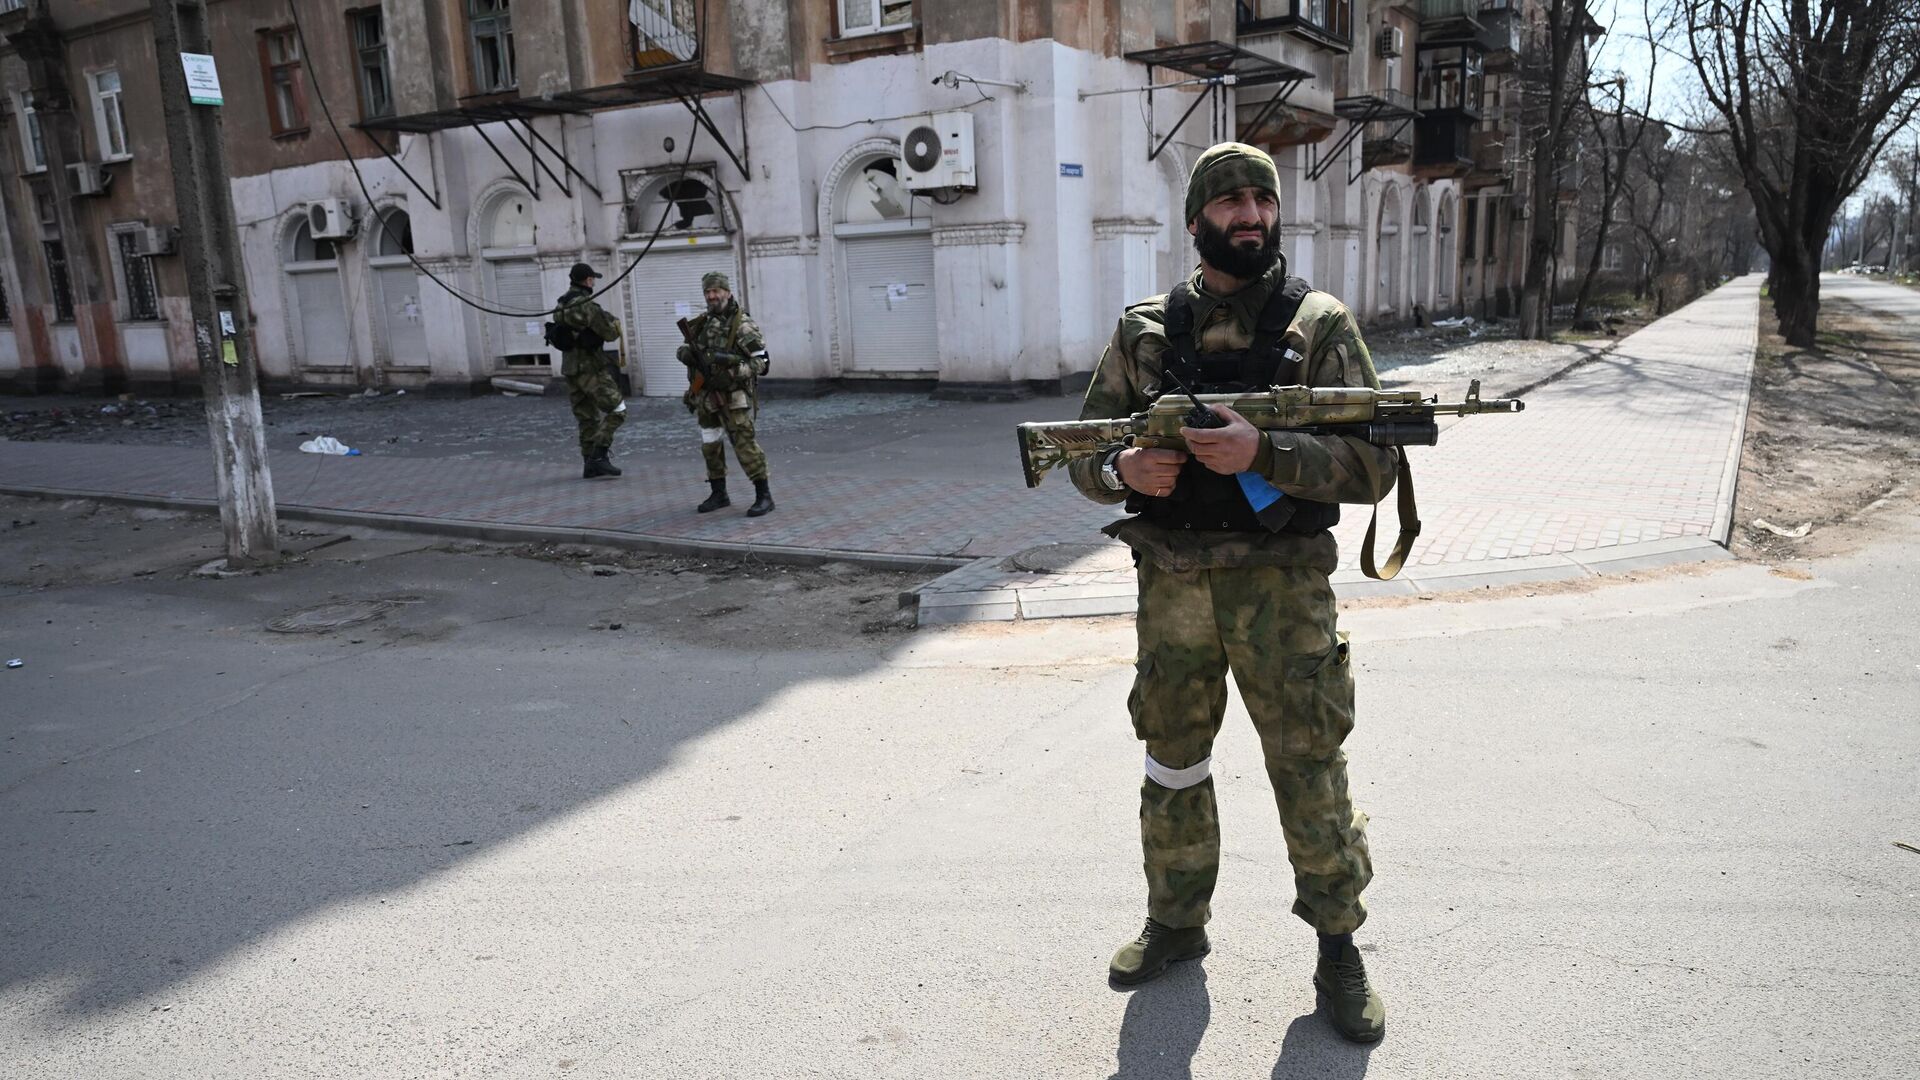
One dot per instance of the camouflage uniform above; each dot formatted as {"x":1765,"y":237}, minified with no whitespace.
{"x":1255,"y":603}
{"x":734,"y":356}
{"x":591,"y":386}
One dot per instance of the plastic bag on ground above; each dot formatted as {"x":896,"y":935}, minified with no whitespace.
{"x":327,"y":444}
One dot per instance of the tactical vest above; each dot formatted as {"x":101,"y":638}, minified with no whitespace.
{"x":1202,"y":498}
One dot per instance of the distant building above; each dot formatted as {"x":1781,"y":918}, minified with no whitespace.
{"x":500,"y":143}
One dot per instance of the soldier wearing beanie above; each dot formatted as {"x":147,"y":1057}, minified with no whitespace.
{"x":1222,"y":590}
{"x":725,"y":358}
{"x":584,"y":328}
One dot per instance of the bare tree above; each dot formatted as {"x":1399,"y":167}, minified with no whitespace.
{"x":1554,"y":70}
{"x":1811,"y":91}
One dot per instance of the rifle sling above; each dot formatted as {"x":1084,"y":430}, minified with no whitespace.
{"x":1409,"y":519}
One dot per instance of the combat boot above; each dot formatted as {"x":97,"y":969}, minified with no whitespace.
{"x":1340,"y":982}
{"x":607,"y":467}
{"x":762,"y":500}
{"x":595,"y":468}
{"x":1147,"y":956}
{"x":716,"y":500}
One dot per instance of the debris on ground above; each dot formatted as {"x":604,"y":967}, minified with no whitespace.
{"x":16,"y":663}
{"x":327,"y":444}
{"x":1793,"y":533}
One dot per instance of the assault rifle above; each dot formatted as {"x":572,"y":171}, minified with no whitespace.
{"x":696,"y":372}
{"x":1396,"y":418}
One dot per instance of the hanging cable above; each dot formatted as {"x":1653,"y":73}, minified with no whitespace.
{"x":386,"y":227}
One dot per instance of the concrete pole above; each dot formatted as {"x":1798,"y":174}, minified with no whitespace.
{"x":217,"y":288}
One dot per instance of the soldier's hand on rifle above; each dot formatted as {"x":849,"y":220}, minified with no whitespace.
{"x":1226,"y":450}
{"x":1150,"y":472}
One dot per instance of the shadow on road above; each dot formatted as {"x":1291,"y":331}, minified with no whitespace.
{"x":1312,"y":1051}
{"x":178,"y":784}
{"x":1164,"y":1024}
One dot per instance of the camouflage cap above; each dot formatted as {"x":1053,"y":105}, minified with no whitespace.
{"x":1227,"y":167}
{"x":714,"y":279}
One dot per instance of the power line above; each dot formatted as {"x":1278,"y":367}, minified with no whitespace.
{"x":386,"y":226}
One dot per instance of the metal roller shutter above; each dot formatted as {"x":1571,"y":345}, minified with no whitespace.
{"x":664,"y":288}
{"x":516,"y":287}
{"x":323,"y":318}
{"x":398,"y":290}
{"x":890,"y":309}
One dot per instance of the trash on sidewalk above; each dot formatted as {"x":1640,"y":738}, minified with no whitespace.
{"x":518,"y":386}
{"x":1794,"y":533}
{"x":327,"y":444}
{"x":16,"y":663}
{"x":1896,"y":843}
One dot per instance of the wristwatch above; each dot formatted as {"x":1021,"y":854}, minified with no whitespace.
{"x":1109,"y":473}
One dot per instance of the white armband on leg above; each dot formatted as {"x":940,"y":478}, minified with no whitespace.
{"x":1175,"y":779}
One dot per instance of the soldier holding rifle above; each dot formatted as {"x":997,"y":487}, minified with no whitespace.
{"x":725,"y":357}
{"x":1234,"y":494}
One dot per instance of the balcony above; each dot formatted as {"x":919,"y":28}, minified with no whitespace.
{"x":1500,"y":37}
{"x":1495,"y":153}
{"x":1326,"y":23}
{"x":1491,"y":27}
{"x":1442,"y":144}
{"x":1387,"y":142}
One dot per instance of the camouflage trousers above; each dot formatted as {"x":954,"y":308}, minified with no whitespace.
{"x":597,"y":406}
{"x":733,"y":423}
{"x":1274,"y":628}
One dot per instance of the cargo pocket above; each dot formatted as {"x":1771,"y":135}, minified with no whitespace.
{"x":1142,"y":668}
{"x":1319,"y":702}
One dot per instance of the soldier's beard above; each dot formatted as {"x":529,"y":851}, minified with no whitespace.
{"x":1243,"y":261}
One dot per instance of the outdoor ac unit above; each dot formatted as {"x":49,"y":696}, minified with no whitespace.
{"x":156,"y":240}
{"x":330,"y":219}
{"x":89,"y":178}
{"x":1392,"y":41}
{"x":939,"y":153}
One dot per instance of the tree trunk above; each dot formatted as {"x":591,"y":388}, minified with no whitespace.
{"x":1796,"y":295}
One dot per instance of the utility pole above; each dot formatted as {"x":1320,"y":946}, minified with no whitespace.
{"x":217,"y":290}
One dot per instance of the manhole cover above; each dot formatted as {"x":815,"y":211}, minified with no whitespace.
{"x":325,"y":617}
{"x":1073,"y":558}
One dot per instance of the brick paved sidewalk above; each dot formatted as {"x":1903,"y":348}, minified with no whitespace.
{"x":1636,"y":448}
{"x":1626,"y":461}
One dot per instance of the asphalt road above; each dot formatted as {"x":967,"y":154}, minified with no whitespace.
{"x":1647,"y":830}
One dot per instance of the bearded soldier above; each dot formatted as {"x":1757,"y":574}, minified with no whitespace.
{"x":1220,"y":590}
{"x":725,"y":357}
{"x":598,"y":406}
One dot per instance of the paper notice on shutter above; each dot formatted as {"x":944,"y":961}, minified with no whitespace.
{"x":683,"y":310}
{"x":896,"y":293}
{"x":533,"y":330}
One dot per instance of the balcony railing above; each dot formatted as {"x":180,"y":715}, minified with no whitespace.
{"x":1387,"y":142}
{"x":1324,"y":22}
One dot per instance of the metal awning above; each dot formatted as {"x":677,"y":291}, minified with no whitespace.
{"x":1359,"y":110}
{"x":1216,"y":59}
{"x":686,"y":83}
{"x":1220,"y":66}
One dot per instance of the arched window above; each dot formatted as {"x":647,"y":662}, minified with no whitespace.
{"x":687,"y":204}
{"x":394,"y":236}
{"x":873,"y":194}
{"x":510,"y":223}
{"x":303,"y":248}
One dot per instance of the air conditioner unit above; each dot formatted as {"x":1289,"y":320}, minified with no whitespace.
{"x":1392,"y":41}
{"x":156,"y":240}
{"x":939,"y":153}
{"x":89,"y":178}
{"x":330,"y":219}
